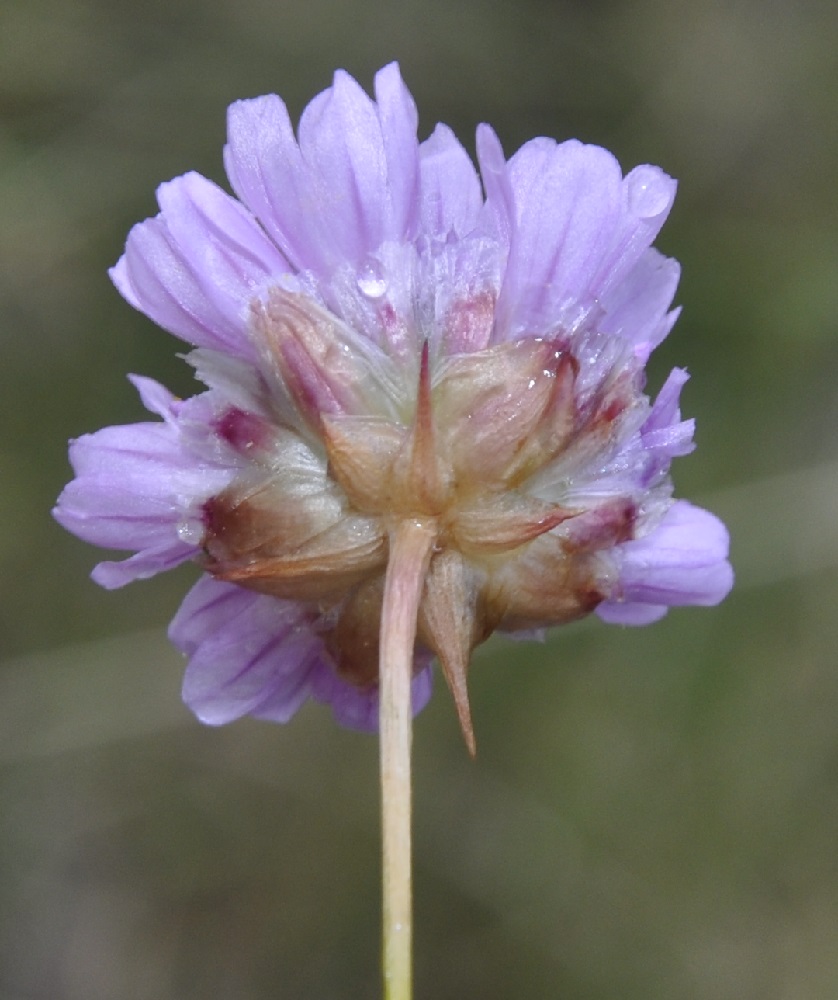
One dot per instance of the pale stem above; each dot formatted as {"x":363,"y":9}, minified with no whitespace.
{"x":411,"y":544}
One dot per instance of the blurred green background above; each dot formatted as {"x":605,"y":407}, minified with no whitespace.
{"x":653,"y":813}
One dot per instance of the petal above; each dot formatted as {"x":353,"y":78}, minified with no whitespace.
{"x":648,"y":194}
{"x":664,"y":435}
{"x":498,"y":215}
{"x":341,"y":143}
{"x":636,"y":308}
{"x":665,"y":412}
{"x":145,"y":564}
{"x":451,"y":194}
{"x":576,"y":231}
{"x":256,"y":655}
{"x":682,"y":561}
{"x":155,"y":398}
{"x":357,"y":708}
{"x":126,"y":496}
{"x":267,"y":172}
{"x":133,"y":484}
{"x":630,"y":613}
{"x":350,"y":184}
{"x":122,"y":496}
{"x":363,"y":162}
{"x":399,"y":122}
{"x":195,"y":268}
{"x":568,"y":201}
{"x":114,"y":516}
{"x":141,"y":486}
{"x":247,"y":652}
{"x":222,"y":243}
{"x":152,"y":277}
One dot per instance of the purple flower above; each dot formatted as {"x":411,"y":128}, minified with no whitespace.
{"x":383,"y":339}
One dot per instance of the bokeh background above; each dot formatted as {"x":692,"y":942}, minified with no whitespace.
{"x":653,"y":813}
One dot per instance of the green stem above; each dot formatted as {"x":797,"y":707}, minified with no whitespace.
{"x":411,"y":544}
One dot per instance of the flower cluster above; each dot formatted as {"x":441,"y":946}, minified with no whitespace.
{"x":382,"y":338}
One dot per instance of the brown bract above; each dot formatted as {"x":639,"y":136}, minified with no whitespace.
{"x":312,"y":519}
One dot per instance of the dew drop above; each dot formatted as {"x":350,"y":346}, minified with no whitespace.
{"x":650,"y":191}
{"x":190,"y":532}
{"x":372,"y":284}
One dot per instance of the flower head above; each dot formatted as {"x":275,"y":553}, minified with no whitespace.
{"x":382,"y":340}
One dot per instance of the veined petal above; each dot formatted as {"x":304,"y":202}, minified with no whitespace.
{"x":648,"y":194}
{"x":636,"y":308}
{"x":134,"y":485}
{"x":498,"y":215}
{"x":363,"y":162}
{"x":343,"y":149}
{"x":630,"y":613}
{"x":111,"y":510}
{"x":195,"y":268}
{"x":228,"y":251}
{"x":246,"y":653}
{"x":682,"y":561}
{"x":664,"y":435}
{"x":140,"y":486}
{"x":267,"y":172}
{"x":567,"y":207}
{"x":451,"y":194}
{"x":399,"y":122}
{"x":151,"y":561}
{"x":153,"y":277}
{"x":256,"y":655}
{"x":350,"y":184}
{"x":357,"y":708}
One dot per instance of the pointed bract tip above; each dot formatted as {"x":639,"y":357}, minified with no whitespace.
{"x":455,"y":673}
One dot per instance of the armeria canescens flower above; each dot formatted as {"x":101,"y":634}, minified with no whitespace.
{"x":381,"y":339}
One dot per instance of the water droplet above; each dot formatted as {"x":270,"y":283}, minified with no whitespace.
{"x":372,"y":284}
{"x":650,"y":191}
{"x":190,"y":532}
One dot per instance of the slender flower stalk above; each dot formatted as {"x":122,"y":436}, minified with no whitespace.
{"x":411,"y":543}
{"x":424,"y":422}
